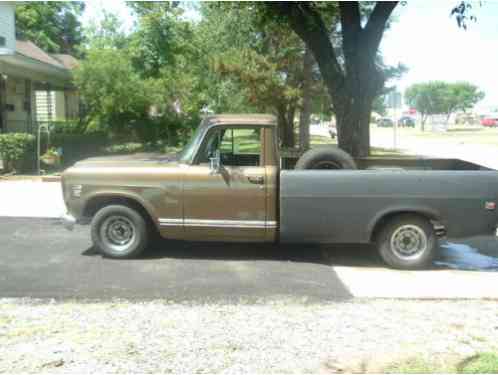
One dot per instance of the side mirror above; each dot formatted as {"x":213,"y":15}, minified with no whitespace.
{"x":215,"y":162}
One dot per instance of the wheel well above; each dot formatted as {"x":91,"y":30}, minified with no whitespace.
{"x":387,"y":217}
{"x":95,"y":204}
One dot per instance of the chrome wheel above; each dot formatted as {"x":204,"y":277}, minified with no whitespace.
{"x":409,"y":242}
{"x":118,"y":232}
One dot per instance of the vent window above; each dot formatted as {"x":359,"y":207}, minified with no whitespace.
{"x":2,"y":41}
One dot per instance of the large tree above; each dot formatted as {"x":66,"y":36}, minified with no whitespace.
{"x":266,"y":61}
{"x":438,"y":97}
{"x":52,"y":25}
{"x":353,"y":79}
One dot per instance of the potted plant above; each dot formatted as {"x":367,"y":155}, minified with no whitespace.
{"x":51,"y":157}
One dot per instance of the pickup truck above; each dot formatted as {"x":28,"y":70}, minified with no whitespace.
{"x":229,"y":183}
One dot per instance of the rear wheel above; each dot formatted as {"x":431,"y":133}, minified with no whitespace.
{"x":119,"y":231}
{"x":407,"y":242}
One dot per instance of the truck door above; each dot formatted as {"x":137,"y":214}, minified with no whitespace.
{"x":228,"y":204}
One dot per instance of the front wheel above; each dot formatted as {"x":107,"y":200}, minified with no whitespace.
{"x":119,"y":231}
{"x":407,"y":242}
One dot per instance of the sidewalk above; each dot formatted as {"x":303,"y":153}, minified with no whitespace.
{"x":27,"y":198}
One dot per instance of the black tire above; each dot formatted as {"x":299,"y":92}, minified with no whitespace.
{"x":407,"y":242}
{"x":116,"y":222}
{"x":326,"y":158}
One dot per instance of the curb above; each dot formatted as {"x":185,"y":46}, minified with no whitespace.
{"x":51,"y":178}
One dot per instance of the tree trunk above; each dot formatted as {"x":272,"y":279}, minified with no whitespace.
{"x":353,"y":106}
{"x":354,"y":87}
{"x":424,"y":119}
{"x":353,"y":124}
{"x":305,"y":115}
{"x":285,"y":119}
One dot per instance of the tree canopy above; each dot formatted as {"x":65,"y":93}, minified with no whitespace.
{"x":239,"y":57}
{"x":52,"y":25}
{"x":438,"y":97}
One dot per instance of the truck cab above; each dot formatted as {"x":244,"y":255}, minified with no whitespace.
{"x":229,"y":177}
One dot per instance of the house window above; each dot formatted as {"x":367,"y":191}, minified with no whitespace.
{"x":2,"y":41}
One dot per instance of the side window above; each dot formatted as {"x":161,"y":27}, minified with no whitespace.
{"x":241,"y":147}
{"x":238,"y":146}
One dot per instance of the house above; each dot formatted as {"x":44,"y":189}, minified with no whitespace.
{"x":35,"y":86}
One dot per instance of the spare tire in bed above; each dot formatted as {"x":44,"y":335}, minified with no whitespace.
{"x":326,"y":158}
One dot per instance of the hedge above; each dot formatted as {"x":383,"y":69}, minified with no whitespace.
{"x":16,"y":149}
{"x":76,"y":147}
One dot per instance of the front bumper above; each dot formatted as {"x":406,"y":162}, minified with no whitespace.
{"x":69,"y":221}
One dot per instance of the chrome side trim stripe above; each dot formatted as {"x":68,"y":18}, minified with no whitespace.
{"x":218,"y":223}
{"x":170,"y":222}
{"x":271,"y":224}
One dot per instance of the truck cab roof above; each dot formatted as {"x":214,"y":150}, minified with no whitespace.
{"x":240,"y":119}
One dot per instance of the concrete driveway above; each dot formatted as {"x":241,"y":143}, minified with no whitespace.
{"x":31,"y":198}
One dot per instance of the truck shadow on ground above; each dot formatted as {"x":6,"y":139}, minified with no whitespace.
{"x":347,"y":255}
{"x":474,"y":255}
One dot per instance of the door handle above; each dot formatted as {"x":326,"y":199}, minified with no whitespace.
{"x":256,"y":179}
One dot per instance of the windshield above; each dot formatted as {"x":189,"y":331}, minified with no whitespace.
{"x":187,"y":153}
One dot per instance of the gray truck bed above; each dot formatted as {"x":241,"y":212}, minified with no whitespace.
{"x":345,"y":206}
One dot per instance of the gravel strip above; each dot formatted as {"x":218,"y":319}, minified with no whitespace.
{"x":282,"y":336}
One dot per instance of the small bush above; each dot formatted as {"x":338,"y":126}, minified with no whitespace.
{"x":14,"y":149}
{"x":484,"y":363}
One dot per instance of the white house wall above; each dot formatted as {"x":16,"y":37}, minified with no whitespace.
{"x":17,"y":118}
{"x":7,"y":28}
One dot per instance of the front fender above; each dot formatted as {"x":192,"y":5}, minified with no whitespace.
{"x":116,"y":193}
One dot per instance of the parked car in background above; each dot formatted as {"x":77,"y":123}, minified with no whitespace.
{"x":406,"y":121}
{"x":489,"y":121}
{"x":385,"y":122}
{"x":466,"y":119}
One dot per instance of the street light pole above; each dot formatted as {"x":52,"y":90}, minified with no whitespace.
{"x":394,"y":100}
{"x":46,"y":129}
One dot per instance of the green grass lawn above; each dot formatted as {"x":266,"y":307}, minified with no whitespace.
{"x":317,"y":140}
{"x":456,"y":135}
{"x":483,"y":363}
{"x":246,"y":143}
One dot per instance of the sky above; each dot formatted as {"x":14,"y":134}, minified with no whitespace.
{"x":423,"y":37}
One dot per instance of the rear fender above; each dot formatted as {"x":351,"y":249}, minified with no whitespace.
{"x":427,"y":212}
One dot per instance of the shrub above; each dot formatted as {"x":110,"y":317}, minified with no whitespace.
{"x":14,"y":149}
{"x":68,"y":127}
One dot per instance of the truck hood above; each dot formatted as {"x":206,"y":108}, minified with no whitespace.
{"x":133,"y":160}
